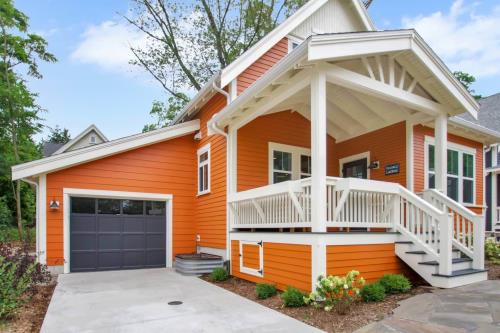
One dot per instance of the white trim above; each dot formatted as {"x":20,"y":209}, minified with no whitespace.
{"x":461,"y":149}
{"x":42,"y":215}
{"x":296,"y":152}
{"x":309,"y":238}
{"x":353,"y":158}
{"x":247,"y":270}
{"x":491,"y":135}
{"x":293,"y":40}
{"x":409,"y":155}
{"x":75,"y":140}
{"x":363,"y":13}
{"x":77,"y":192}
{"x":201,"y":151}
{"x":79,"y":156}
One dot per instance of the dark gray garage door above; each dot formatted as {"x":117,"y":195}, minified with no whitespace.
{"x":110,"y":234}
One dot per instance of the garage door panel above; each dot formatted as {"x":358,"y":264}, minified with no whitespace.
{"x":83,"y":223}
{"x":110,"y":241}
{"x":134,"y":241}
{"x":109,"y":224}
{"x":83,"y":241}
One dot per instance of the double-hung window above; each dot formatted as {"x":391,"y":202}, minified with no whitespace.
{"x":204,"y":170}
{"x":288,"y":163}
{"x":460,"y":173}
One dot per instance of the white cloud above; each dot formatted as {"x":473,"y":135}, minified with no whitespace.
{"x":465,"y":40}
{"x":107,"y":45}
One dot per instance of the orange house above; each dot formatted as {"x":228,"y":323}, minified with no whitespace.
{"x":326,"y":147}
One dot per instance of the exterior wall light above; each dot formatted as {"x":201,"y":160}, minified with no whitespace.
{"x":374,"y":165}
{"x":54,"y":204}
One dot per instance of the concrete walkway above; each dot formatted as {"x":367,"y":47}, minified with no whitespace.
{"x":472,"y":308}
{"x":136,"y":301}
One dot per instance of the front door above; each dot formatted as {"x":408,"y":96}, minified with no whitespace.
{"x":355,"y":169}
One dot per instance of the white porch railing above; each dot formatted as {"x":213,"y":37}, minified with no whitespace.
{"x":467,"y":226}
{"x":361,"y":203}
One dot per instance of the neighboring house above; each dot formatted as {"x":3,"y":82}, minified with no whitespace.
{"x":89,"y":137}
{"x":489,"y":118}
{"x":252,"y":169}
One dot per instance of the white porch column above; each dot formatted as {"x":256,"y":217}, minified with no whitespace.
{"x":318,"y":151}
{"x":440,"y":148}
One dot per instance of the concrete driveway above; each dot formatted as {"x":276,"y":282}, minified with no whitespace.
{"x":137,"y":301}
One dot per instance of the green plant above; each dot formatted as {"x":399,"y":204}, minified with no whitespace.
{"x":12,"y":287}
{"x":492,"y":251}
{"x":265,"y":290}
{"x":293,"y":298}
{"x":374,"y":292}
{"x":334,"y":292}
{"x":219,"y":274}
{"x":395,"y":283}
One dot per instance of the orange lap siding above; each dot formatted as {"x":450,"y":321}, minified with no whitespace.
{"x":166,"y":168}
{"x":372,"y":261}
{"x":284,"y":265}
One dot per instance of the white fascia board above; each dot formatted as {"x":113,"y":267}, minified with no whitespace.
{"x":75,"y":140}
{"x":255,"y":52}
{"x":79,"y":156}
{"x":271,"y":75}
{"x":363,"y":14}
{"x":491,"y":135}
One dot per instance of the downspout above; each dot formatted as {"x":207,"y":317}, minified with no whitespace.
{"x":37,"y":219}
{"x":216,"y":129}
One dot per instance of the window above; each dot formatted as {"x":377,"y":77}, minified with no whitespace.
{"x":460,"y":182}
{"x":83,"y":205}
{"x":293,"y":43}
{"x":155,"y":208}
{"x":132,"y":207}
{"x":288,"y":163}
{"x":93,"y":139}
{"x":204,"y":170}
{"x":108,"y":206}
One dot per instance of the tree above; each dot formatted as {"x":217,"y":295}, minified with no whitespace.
{"x":58,"y":135}
{"x":467,"y":80}
{"x":164,"y":114}
{"x":188,"y":42}
{"x":20,"y":52}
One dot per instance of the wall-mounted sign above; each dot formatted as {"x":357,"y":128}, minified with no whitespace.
{"x":392,"y":169}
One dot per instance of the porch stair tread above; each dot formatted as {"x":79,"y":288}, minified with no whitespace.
{"x":454,"y":261}
{"x":416,"y":252}
{"x":404,"y":242}
{"x":462,"y":272}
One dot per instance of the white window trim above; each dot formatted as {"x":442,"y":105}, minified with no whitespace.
{"x":252,"y":271}
{"x":461,"y":149}
{"x":77,"y":192}
{"x":296,"y":153}
{"x":291,"y":41}
{"x":353,"y":158}
{"x":202,"y":150}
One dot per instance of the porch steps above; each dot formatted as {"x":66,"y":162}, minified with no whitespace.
{"x":421,"y":262}
{"x":197,"y":264}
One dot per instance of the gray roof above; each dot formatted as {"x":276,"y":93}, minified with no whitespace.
{"x":50,"y":148}
{"x":489,"y":114}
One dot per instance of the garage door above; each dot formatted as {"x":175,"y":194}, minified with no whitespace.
{"x":110,"y":234}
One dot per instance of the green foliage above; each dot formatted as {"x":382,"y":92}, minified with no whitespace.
{"x":334,"y":292}
{"x":265,"y":290}
{"x":58,"y":135}
{"x":492,"y":251}
{"x":219,"y":274}
{"x":164,"y":114}
{"x":293,"y":297}
{"x":12,"y":287}
{"x":395,"y":283}
{"x":5,"y":213}
{"x":467,"y":80}
{"x":374,"y":292}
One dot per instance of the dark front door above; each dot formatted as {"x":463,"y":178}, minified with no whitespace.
{"x":356,"y":169}
{"x":111,"y":234}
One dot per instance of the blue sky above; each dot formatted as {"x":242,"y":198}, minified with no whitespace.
{"x":92,"y":83}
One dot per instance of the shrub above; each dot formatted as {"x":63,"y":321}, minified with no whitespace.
{"x":293,"y":298}
{"x":24,"y":262}
{"x":12,"y":286}
{"x":492,"y":251}
{"x":219,"y":274}
{"x":374,"y":292}
{"x":335,"y":292}
{"x":395,"y":283}
{"x":265,"y":290}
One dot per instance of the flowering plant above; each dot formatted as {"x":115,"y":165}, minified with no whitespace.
{"x":334,"y":292}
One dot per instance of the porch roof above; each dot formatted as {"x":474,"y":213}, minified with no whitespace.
{"x":378,"y":71}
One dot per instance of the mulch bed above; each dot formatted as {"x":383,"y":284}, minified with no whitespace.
{"x":360,"y":315}
{"x":29,"y":317}
{"x":493,"y":271}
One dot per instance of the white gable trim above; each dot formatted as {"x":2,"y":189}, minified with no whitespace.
{"x":79,"y":156}
{"x":255,"y":52}
{"x":72,"y":142}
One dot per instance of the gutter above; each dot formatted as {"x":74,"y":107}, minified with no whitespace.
{"x":478,"y":128}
